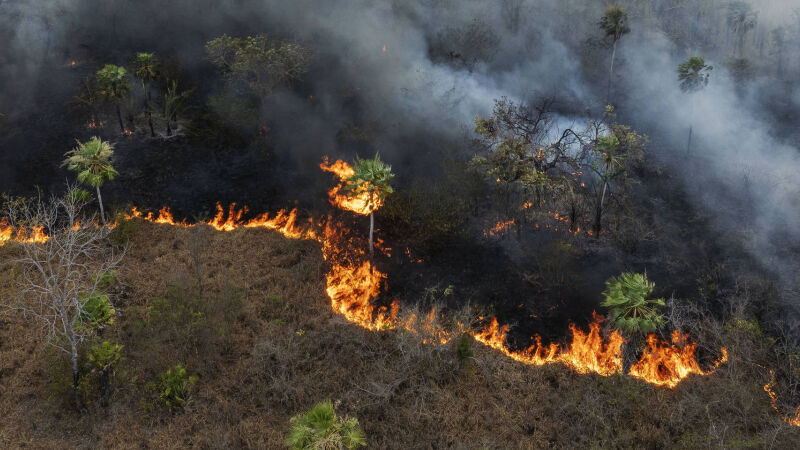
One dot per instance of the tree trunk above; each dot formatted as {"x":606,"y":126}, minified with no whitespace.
{"x":105,"y":390}
{"x":611,"y":72}
{"x":119,"y":116}
{"x":76,"y":378}
{"x":371,"y":228}
{"x":691,"y":121}
{"x":689,"y":143}
{"x":149,"y":113}
{"x":598,"y":216}
{"x":169,"y":128}
{"x":100,"y":201}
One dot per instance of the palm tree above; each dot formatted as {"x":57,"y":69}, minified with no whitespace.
{"x":320,"y":428}
{"x":92,"y":161}
{"x":146,"y":71}
{"x":371,"y":176}
{"x":693,"y":75}
{"x":174,"y":103}
{"x":610,"y":165}
{"x":112,"y":83}
{"x":632,"y":311}
{"x":614,"y":24}
{"x":741,"y":19}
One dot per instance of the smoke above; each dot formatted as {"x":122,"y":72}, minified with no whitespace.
{"x":446,"y":61}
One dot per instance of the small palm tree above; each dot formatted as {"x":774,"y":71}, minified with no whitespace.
{"x":174,"y":103}
{"x":693,"y":75}
{"x":371,"y":176}
{"x":610,"y":164}
{"x":146,"y":71}
{"x":320,"y":428}
{"x":630,"y":308}
{"x":614,"y":24}
{"x":112,"y":83}
{"x":92,"y":162}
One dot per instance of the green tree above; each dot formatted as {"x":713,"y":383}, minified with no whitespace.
{"x":104,"y":356}
{"x":262,"y":62}
{"x":320,"y":428}
{"x":614,"y":24}
{"x":693,"y":75}
{"x":629,"y":305}
{"x":113,"y":85}
{"x":146,"y":71}
{"x":89,"y":98}
{"x":371,"y":177}
{"x":174,"y":104}
{"x":610,"y":165}
{"x":92,"y":162}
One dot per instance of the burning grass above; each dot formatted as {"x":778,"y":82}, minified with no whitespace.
{"x":271,"y":346}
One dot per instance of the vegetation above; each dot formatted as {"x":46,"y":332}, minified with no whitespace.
{"x":693,"y":75}
{"x":371,"y":178}
{"x":174,"y":387}
{"x":630,"y":307}
{"x":92,"y":162}
{"x":147,"y":71}
{"x":113,"y":85}
{"x":320,"y":427}
{"x":615,"y":25}
{"x":262,"y":62}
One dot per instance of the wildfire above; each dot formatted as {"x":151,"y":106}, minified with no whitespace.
{"x":33,"y":235}
{"x":588,"y":352}
{"x":667,"y":364}
{"x":128,"y":132}
{"x":361,"y":204}
{"x":384,"y":48}
{"x":769,"y":388}
{"x":499,"y":228}
{"x":95,"y":124}
{"x":353,"y":283}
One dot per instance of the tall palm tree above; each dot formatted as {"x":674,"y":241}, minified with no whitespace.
{"x":614,"y":24}
{"x":112,"y":83}
{"x":146,"y":71}
{"x":610,"y":164}
{"x":321,"y":428}
{"x":741,"y":19}
{"x":371,"y":176}
{"x":693,"y":75}
{"x":92,"y":162}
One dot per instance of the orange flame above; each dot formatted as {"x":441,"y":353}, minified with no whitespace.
{"x":499,"y":228}
{"x":361,"y":204}
{"x":769,"y":388}
{"x":351,"y":287}
{"x":588,"y":352}
{"x":667,"y":364}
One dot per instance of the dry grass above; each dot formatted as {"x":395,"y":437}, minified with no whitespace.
{"x":269,"y":347}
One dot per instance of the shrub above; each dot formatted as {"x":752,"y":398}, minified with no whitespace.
{"x":321,"y":428}
{"x":104,"y":356}
{"x":630,"y":309}
{"x":97,"y":311}
{"x":173,"y":387}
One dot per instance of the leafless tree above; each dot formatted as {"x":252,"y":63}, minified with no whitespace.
{"x":57,"y":278}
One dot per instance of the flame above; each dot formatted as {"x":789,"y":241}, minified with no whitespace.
{"x":384,"y":48}
{"x":95,"y":124}
{"x":588,"y":352}
{"x":361,"y":204}
{"x":667,"y":364}
{"x":128,"y":132}
{"x":23,"y":235}
{"x":769,"y":388}
{"x":352,"y":283}
{"x":499,"y":228}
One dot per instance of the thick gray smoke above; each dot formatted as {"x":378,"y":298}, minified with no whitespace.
{"x":446,"y":61}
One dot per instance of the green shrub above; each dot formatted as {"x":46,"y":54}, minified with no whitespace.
{"x":465,"y":353}
{"x":173,"y":387}
{"x":321,"y":428}
{"x":104,"y":355}
{"x":97,"y":311}
{"x":626,"y":298}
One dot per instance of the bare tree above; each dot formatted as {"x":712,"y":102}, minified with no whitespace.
{"x":60,"y":280}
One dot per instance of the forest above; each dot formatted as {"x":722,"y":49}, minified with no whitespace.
{"x":468,"y":224}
